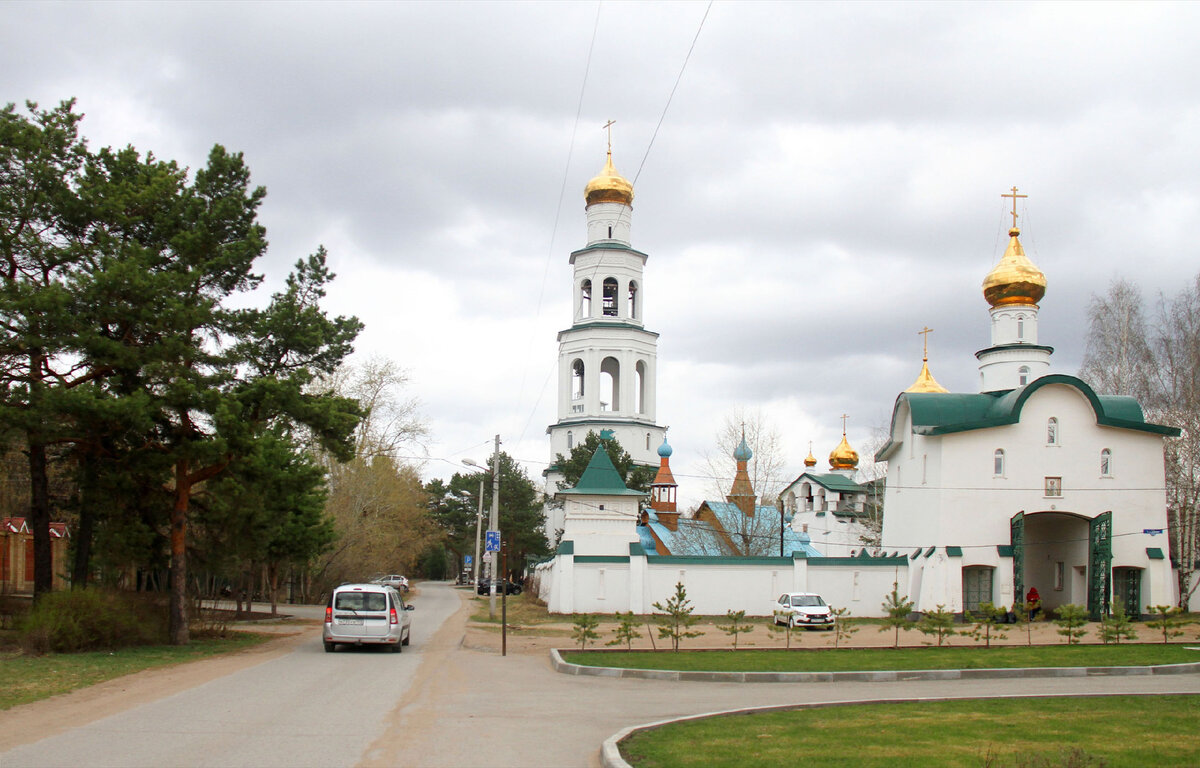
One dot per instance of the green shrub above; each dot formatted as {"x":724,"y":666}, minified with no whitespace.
{"x":91,"y":619}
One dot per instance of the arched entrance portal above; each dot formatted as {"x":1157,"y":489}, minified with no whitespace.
{"x":1067,"y":557}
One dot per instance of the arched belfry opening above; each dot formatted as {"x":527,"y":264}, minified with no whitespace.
{"x":639,"y":387}
{"x":585,"y":298}
{"x":577,"y":390}
{"x":633,"y":300}
{"x":610,"y":384}
{"x":610,"y":297}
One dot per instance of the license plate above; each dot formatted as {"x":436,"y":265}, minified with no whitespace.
{"x":350,"y":621}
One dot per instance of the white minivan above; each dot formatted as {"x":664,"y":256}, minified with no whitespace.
{"x":365,"y":614}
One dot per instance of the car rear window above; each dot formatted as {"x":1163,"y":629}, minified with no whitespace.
{"x":360,"y":601}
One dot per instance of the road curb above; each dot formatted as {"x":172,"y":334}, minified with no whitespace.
{"x":884,"y":676}
{"x":610,"y":753}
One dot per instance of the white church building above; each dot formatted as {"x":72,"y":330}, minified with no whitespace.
{"x":607,"y":359}
{"x":1033,"y":481}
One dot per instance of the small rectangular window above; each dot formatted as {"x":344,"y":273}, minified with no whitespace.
{"x":1053,"y":486}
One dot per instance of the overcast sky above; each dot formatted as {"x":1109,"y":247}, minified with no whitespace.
{"x":825,"y":183}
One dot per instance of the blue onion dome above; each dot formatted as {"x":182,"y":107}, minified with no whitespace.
{"x":664,"y":450}
{"x":743,"y":452}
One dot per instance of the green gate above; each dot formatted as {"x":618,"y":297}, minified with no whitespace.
{"x":1017,"y":529}
{"x":1099,"y":564}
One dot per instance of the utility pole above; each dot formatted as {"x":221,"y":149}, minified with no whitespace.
{"x":494,"y":525}
{"x":478,"y":523}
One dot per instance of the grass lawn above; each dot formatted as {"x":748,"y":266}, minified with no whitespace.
{"x":30,"y":678}
{"x":873,"y":659}
{"x":1131,"y":731}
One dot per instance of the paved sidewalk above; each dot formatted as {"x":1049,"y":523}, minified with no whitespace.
{"x":473,"y":707}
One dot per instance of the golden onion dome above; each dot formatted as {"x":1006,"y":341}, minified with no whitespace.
{"x":925,"y":381}
{"x":609,"y":187}
{"x":1015,"y":280}
{"x":810,"y":461}
{"x":843,"y":457}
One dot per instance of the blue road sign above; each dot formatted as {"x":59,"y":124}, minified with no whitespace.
{"x":493,"y":541}
{"x":467,"y":560}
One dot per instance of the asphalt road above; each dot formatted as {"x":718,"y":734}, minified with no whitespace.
{"x":440,"y":704}
{"x":306,"y":708}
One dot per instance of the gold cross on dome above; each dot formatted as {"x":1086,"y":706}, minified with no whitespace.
{"x":925,"y":332}
{"x":1014,"y":197}
{"x":608,"y":127}
{"x":844,"y":417}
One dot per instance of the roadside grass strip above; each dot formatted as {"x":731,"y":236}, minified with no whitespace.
{"x":1110,"y":731}
{"x":887,"y":659}
{"x":27,"y":679}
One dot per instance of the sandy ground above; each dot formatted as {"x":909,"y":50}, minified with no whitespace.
{"x":541,"y":637}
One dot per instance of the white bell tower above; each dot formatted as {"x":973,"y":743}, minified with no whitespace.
{"x":607,"y":360}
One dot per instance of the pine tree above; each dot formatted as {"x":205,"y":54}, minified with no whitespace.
{"x":897,"y":609}
{"x":676,"y":619}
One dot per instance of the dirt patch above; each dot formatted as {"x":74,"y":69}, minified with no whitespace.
{"x":545,"y":636}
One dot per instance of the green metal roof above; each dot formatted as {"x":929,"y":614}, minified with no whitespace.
{"x":834,"y":482}
{"x":946,"y":413}
{"x":600,"y":478}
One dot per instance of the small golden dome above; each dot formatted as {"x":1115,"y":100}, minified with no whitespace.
{"x":925,"y":381}
{"x":843,"y":457}
{"x":1015,"y":280}
{"x":609,"y":187}
{"x":810,"y":460}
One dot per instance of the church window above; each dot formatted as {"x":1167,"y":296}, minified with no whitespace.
{"x":639,"y":383}
{"x":998,"y":463}
{"x":1052,"y":431}
{"x":577,"y":380}
{"x":610,"y":297}
{"x":633,"y":295}
{"x":1020,"y":327}
{"x":1023,"y":375}
{"x":610,"y":384}
{"x":610,"y":231}
{"x":570,"y":440}
{"x":977,"y":586}
{"x":1053,"y":487}
{"x":585,"y":298}
{"x":647,"y":441}
{"x":1106,"y":463}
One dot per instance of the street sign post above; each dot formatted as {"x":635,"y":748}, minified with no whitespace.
{"x":468,"y":560}
{"x":493,"y":541}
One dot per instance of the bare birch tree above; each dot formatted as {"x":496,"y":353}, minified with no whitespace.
{"x":765,"y":467}
{"x":1160,"y":366}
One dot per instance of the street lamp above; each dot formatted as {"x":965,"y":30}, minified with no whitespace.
{"x":478,"y":523}
{"x":493,"y":518}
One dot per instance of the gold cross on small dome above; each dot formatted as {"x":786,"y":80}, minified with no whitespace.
{"x":1014,"y":197}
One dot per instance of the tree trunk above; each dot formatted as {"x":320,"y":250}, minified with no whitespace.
{"x":39,"y":519}
{"x":83,"y":547}
{"x":178,"y":600}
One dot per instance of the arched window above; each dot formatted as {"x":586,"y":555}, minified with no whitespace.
{"x":1023,"y":375}
{"x":998,"y":463}
{"x":1106,"y":462}
{"x":610,"y":384}
{"x":639,"y":387}
{"x":1020,"y":326}
{"x":585,"y":298}
{"x":577,"y":380}
{"x":1052,"y":431}
{"x":647,"y":441}
{"x":633,"y":305}
{"x":610,"y":297}
{"x":570,"y":440}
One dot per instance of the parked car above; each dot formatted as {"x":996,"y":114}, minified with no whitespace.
{"x":394,"y":580}
{"x":504,"y":587}
{"x":366,"y":614}
{"x":803,"y":609}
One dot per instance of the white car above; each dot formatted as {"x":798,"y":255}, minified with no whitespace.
{"x":366,"y":614}
{"x":803,"y":609}
{"x":392,"y":580}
